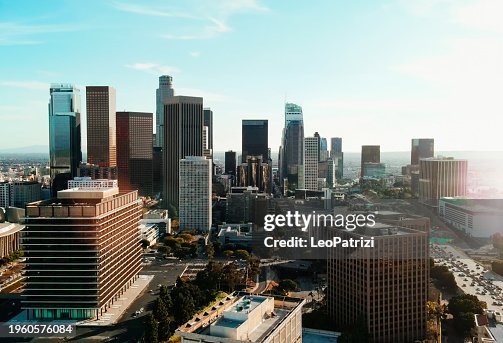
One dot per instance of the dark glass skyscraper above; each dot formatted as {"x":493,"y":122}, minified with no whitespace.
{"x":208,"y":122}
{"x":101,"y":126}
{"x":255,"y":139}
{"x":64,"y":134}
{"x":370,"y":154}
{"x":337,"y":156}
{"x":421,"y":148}
{"x":134,"y":151}
{"x":230,"y":163}
{"x":164,"y":91}
{"x":183,"y":129}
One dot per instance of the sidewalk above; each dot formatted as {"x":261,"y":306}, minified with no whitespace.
{"x":115,"y":312}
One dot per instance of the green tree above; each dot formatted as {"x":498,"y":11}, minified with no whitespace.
{"x":253,"y":265}
{"x":161,"y":315}
{"x":163,"y":249}
{"x":228,"y":253}
{"x":187,"y":237}
{"x":151,"y":329}
{"x":210,"y":251}
{"x":463,"y":307}
{"x":242,"y":254}
{"x":184,"y":309}
{"x":288,"y":285}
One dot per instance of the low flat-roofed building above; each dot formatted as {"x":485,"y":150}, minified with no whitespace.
{"x":10,"y":237}
{"x":411,"y":221}
{"x":243,"y":317}
{"x":239,"y":234}
{"x":474,"y":217}
{"x":150,"y":232}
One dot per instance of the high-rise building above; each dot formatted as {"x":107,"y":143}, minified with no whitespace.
{"x":254,"y":139}
{"x":311,"y":159}
{"x":23,"y":192}
{"x":134,"y":152}
{"x":230,"y":163}
{"x":4,"y":194}
{"x":255,"y":173}
{"x":64,"y":134}
{"x":164,"y":91}
{"x":157,"y":169}
{"x":323,"y":149}
{"x":195,"y":193}
{"x":291,"y":155}
{"x":374,"y":170}
{"x":183,"y":129}
{"x":101,"y":126}
{"x":208,"y":123}
{"x":82,"y":250}
{"x":337,"y":155}
{"x":386,"y":287}
{"x":421,"y":148}
{"x":442,"y":177}
{"x":370,"y":154}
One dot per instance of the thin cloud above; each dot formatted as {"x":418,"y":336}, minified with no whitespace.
{"x":12,"y":33}
{"x":32,"y":85}
{"x":195,"y":54}
{"x":149,"y":11}
{"x":215,"y":28}
{"x":153,"y":68}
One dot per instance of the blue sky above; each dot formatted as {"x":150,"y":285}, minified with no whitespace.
{"x":372,"y":72}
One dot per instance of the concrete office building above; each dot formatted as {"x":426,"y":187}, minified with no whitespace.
{"x":386,"y":286}
{"x":195,"y":193}
{"x":244,"y":317}
{"x":164,"y":91}
{"x":183,"y":132}
{"x":64,"y":134}
{"x":311,"y":159}
{"x":479,"y":218}
{"x":101,"y":126}
{"x":370,"y":154}
{"x":421,"y":148}
{"x":238,"y":234}
{"x":442,"y":177}
{"x":82,"y":250}
{"x":134,"y":152}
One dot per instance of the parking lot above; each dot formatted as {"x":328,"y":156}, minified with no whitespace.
{"x":471,"y":277}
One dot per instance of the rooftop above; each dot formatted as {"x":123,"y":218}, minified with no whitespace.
{"x":7,"y":229}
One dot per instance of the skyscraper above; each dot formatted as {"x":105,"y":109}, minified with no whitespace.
{"x":208,"y":123}
{"x":255,"y":139}
{"x":183,"y":129}
{"x":421,"y":148}
{"x":195,"y":193}
{"x":230,"y":163}
{"x":386,"y":286}
{"x":101,"y":126}
{"x":82,"y":250}
{"x":311,"y":160}
{"x":442,"y":177}
{"x":292,"y":147}
{"x":164,"y":91}
{"x":323,"y":149}
{"x":255,"y":173}
{"x":64,"y":134}
{"x":134,"y":152}
{"x":337,"y":156}
{"x":370,"y":154}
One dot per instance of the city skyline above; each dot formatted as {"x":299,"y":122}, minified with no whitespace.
{"x":420,"y":80}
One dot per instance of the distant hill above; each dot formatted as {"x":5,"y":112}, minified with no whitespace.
{"x":32,"y":149}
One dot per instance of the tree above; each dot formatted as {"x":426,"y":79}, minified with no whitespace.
{"x":288,"y":285}
{"x":253,"y":265}
{"x":228,"y":253}
{"x":163,"y":249}
{"x":210,"y":251}
{"x":162,"y":317}
{"x":463,"y":307}
{"x":151,"y":329}
{"x":187,"y":237}
{"x":358,"y":332}
{"x":184,"y":309}
{"x":242,"y":254}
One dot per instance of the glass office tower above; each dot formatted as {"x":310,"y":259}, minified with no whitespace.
{"x":64,"y":134}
